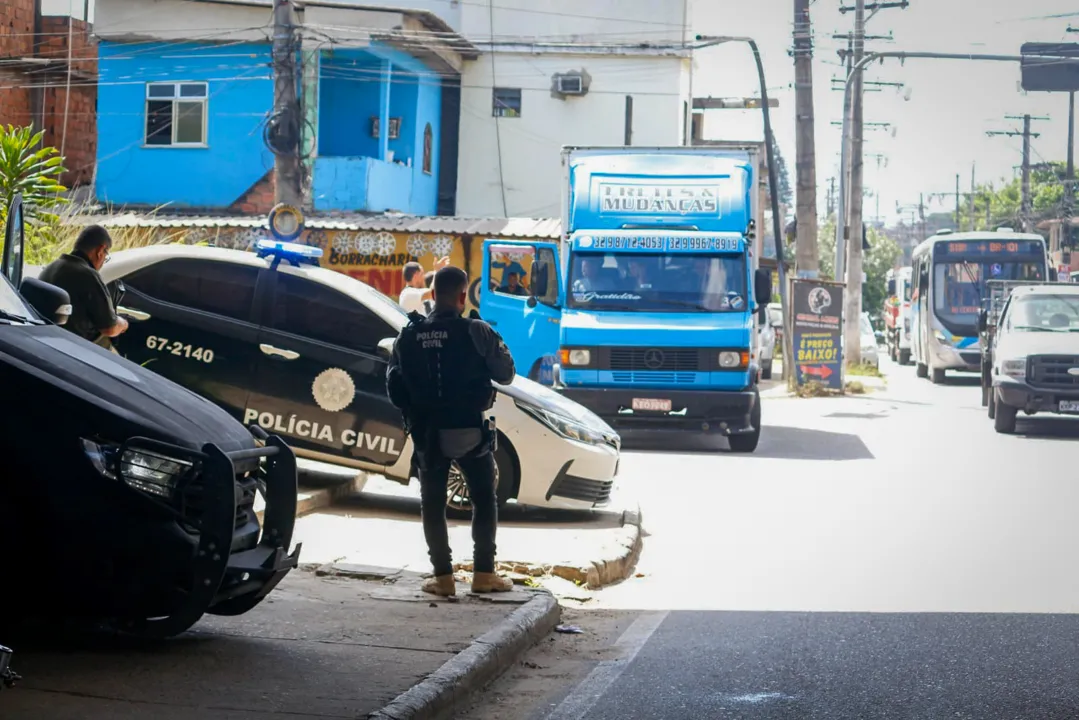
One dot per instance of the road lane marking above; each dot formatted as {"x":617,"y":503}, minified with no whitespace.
{"x":592,"y":688}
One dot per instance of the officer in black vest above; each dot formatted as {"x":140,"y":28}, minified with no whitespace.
{"x":440,"y":378}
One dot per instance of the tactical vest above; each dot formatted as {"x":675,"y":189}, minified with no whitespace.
{"x":448,"y":381}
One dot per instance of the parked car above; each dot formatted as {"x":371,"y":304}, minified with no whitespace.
{"x":870,"y":351}
{"x":125,"y":497}
{"x":766,"y":344}
{"x":302,"y":351}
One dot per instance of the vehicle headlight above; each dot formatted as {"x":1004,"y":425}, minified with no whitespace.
{"x":575,"y":356}
{"x":1014,"y":367}
{"x":732,"y":360}
{"x":942,"y":338}
{"x":564,"y":426}
{"x":150,"y":472}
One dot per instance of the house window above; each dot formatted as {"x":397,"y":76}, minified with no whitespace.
{"x":176,"y":114}
{"x":428,"y":148}
{"x":507,"y":102}
{"x":395,"y":127}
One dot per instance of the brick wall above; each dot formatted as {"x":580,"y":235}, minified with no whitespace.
{"x":80,"y":149}
{"x":16,"y":41}
{"x":259,"y":200}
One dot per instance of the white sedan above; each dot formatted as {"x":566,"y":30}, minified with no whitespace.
{"x":302,"y":351}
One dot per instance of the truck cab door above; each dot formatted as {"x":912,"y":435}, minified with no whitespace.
{"x":521,"y":297}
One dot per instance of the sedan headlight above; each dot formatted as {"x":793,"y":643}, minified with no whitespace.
{"x":150,"y":472}
{"x":565,"y":426}
{"x":1014,"y":367}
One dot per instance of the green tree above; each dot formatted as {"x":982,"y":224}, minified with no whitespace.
{"x":783,"y":176}
{"x":32,"y":170}
{"x":881,"y":257}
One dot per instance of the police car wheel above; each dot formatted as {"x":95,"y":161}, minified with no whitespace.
{"x":457,"y":496}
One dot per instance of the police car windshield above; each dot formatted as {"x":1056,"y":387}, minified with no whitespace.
{"x":657,"y":282}
{"x":12,"y":306}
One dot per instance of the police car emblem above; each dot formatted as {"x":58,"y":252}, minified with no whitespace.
{"x":333,"y":390}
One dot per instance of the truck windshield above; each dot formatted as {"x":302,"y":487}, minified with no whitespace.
{"x":960,"y":286}
{"x":657,"y":282}
{"x":1045,"y":313}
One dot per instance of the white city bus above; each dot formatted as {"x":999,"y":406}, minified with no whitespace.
{"x":950,"y":275}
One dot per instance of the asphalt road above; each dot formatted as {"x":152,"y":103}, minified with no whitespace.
{"x":880,"y":557}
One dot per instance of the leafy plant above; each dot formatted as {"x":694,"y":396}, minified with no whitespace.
{"x":33,"y":170}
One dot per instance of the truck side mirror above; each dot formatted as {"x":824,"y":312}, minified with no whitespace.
{"x":1052,"y":274}
{"x":983,"y":320}
{"x":51,"y":302}
{"x":762,"y":286}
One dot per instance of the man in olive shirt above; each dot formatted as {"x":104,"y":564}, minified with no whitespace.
{"x":93,"y":316}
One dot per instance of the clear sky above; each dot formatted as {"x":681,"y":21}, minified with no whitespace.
{"x":940,"y":131}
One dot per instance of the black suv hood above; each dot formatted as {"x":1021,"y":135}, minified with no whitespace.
{"x":85,"y":385}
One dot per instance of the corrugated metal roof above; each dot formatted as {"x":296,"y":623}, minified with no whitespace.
{"x":539,"y":228}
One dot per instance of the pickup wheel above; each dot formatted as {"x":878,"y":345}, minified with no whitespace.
{"x":1004,"y":421}
{"x":747,"y":442}
{"x":766,"y":370}
{"x":991,"y":403}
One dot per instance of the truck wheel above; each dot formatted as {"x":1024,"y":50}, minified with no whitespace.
{"x":747,"y":442}
{"x":992,"y":404}
{"x":1004,"y":421}
{"x":937,"y":376}
{"x":904,"y":357}
{"x":985,"y":396}
{"x":922,"y":371}
{"x":766,"y":370}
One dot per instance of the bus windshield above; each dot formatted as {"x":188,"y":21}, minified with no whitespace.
{"x":959,"y":286}
{"x":657,"y":282}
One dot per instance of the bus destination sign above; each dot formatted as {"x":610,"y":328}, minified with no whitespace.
{"x":991,"y":247}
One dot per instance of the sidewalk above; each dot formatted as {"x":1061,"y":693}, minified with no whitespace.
{"x":381,"y":526}
{"x":316,"y":648}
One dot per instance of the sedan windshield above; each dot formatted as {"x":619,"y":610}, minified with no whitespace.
{"x":1045,"y":313}
{"x":657,"y":282}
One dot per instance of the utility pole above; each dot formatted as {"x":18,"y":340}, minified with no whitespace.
{"x":958,"y":228}
{"x":852,"y":332}
{"x":1026,"y":211}
{"x":1069,"y":185}
{"x":286,"y":121}
{"x":807,"y":264}
{"x":973,"y":190}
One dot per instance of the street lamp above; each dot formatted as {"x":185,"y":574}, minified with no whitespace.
{"x":704,"y":41}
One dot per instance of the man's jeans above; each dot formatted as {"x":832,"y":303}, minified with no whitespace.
{"x":479,"y":472}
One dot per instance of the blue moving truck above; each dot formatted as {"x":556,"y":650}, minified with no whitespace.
{"x":646,"y":312}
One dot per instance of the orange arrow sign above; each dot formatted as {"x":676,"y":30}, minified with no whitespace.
{"x":824,"y":371}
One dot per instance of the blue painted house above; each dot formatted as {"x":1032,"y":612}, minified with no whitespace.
{"x":182,"y":113}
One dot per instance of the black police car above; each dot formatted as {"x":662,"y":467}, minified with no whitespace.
{"x":125,"y":497}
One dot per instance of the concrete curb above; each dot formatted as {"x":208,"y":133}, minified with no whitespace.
{"x":308,"y":500}
{"x":446,"y":691}
{"x":615,"y":565}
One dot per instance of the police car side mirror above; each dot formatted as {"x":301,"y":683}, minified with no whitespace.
{"x":386,"y":346}
{"x":532,"y":301}
{"x":51,"y":302}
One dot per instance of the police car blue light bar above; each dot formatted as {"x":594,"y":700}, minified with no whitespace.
{"x":288,"y":250}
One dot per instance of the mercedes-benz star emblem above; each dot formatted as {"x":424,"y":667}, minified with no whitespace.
{"x":653,"y":359}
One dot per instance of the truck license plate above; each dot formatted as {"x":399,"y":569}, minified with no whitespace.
{"x":651,"y":404}
{"x":1069,"y":406}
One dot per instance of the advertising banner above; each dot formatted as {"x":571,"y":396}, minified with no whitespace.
{"x":817,"y":336}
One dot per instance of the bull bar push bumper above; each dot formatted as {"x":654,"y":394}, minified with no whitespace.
{"x":226,"y":580}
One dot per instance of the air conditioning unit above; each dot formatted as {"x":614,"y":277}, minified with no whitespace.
{"x":570,"y":84}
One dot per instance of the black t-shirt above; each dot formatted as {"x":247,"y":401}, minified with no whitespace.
{"x":91,"y":307}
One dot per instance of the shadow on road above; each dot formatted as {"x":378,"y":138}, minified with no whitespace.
{"x":1048,"y":428}
{"x":777,"y":443}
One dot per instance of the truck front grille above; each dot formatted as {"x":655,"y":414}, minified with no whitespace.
{"x":665,"y":378}
{"x":1052,"y":371}
{"x":655,"y":359}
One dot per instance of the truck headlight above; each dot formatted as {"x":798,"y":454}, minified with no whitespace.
{"x":1014,"y":368}
{"x":733,"y":360}
{"x":150,"y":472}
{"x":575,"y":356}
{"x":564,"y":426}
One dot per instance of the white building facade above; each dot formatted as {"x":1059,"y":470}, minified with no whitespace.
{"x":563,"y":72}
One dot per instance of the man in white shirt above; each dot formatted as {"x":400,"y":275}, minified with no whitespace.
{"x":416,"y":289}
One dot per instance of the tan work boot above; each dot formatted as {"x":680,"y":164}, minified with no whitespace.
{"x":443,"y":585}
{"x":490,"y":582}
